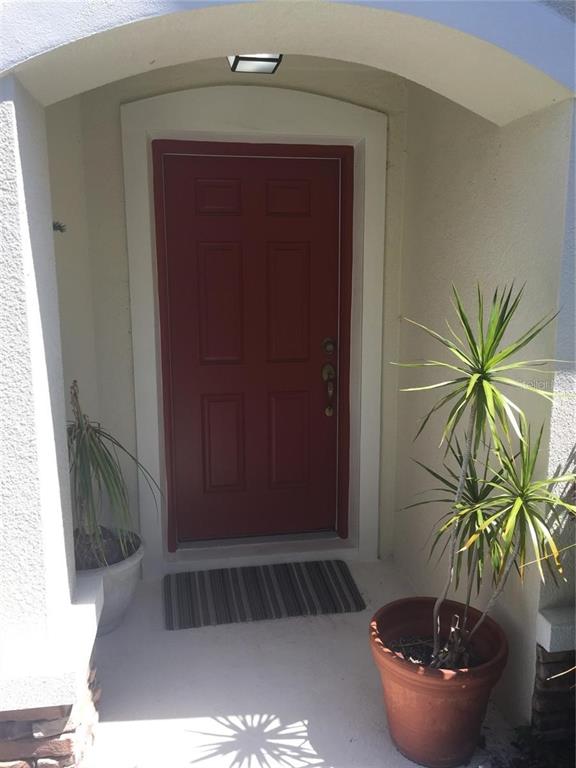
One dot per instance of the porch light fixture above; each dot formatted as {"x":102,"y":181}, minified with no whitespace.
{"x":263,"y":63}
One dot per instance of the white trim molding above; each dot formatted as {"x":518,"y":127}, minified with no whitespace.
{"x":254,"y":114}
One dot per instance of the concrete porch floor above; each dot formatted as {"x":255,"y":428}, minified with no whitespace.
{"x":292,"y":693}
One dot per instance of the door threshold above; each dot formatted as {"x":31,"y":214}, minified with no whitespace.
{"x":258,"y":551}
{"x":284,"y":538}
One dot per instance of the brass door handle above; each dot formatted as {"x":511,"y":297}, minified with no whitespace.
{"x":329,"y":376}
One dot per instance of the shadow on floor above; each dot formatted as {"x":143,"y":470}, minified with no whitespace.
{"x":290,"y":693}
{"x":258,"y":741}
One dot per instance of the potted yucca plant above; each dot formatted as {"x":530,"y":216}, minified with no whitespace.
{"x":439,"y":659}
{"x":99,"y":493}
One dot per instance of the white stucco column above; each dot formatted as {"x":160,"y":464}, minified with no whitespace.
{"x":556,"y":621}
{"x":45,"y":638}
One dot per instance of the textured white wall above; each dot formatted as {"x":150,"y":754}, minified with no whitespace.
{"x":75,"y":279}
{"x":563,"y":423}
{"x":45,"y":640}
{"x":562,"y":454}
{"x":567,"y":321}
{"x":36,"y":564}
{"x":483,"y":204}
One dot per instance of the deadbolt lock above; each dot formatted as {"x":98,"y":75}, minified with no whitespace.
{"x":329,"y":345}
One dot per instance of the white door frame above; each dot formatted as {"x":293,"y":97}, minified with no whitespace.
{"x":254,"y":114}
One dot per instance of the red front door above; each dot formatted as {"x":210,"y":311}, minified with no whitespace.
{"x":254,"y":292}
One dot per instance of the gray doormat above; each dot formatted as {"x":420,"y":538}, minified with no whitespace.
{"x":232,"y":595}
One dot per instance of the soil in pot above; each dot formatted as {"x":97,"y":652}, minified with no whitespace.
{"x":113,"y":551}
{"x":419,"y":650}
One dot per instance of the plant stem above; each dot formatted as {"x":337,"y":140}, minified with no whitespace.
{"x":470,"y":585}
{"x":499,"y":589}
{"x":453,"y":538}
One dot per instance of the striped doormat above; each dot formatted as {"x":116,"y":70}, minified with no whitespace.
{"x":231,"y":595}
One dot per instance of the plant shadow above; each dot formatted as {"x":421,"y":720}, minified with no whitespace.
{"x":258,"y":741}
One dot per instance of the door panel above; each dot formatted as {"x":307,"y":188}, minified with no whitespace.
{"x":288,"y":293}
{"x":254,"y":274}
{"x":289,"y":430}
{"x":221,"y":302}
{"x":223,"y":443}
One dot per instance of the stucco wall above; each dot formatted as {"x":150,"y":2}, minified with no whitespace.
{"x":66,"y":142}
{"x":88,"y":196}
{"x":36,"y":568}
{"x":482,"y":204}
{"x":563,"y":424}
{"x":562,"y":455}
{"x":45,"y":637}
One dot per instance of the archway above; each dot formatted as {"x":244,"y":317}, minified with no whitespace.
{"x":464,"y":68}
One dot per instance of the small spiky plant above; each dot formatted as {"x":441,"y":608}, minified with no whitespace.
{"x":495,"y":513}
{"x":96,"y":474}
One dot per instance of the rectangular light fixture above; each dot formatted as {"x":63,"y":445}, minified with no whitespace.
{"x":262,"y":63}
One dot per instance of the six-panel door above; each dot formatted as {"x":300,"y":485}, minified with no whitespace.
{"x":252,"y":307}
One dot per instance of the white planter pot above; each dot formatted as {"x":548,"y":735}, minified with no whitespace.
{"x":119,"y":582}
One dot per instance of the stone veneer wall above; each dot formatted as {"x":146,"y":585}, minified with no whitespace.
{"x":51,"y":737}
{"x":554,"y":695}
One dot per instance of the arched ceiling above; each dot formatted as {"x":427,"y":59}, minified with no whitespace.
{"x":464,"y":68}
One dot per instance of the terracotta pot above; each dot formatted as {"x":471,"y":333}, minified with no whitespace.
{"x":434,"y":715}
